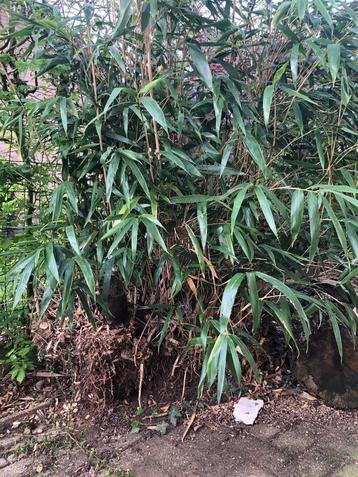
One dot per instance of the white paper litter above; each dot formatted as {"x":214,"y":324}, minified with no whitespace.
{"x":246,"y":410}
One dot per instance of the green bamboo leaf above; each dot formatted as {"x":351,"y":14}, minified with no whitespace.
{"x":243,"y":244}
{"x":279,"y":73}
{"x":229,"y":295}
{"x":63,"y":113}
{"x":249,"y":358}
{"x":151,"y":85}
{"x":67,"y":188}
{"x":117,"y":57}
{"x":67,"y":286}
{"x":226,"y":154}
{"x":255,"y":152}
{"x":23,"y":281}
{"x":267,"y":101}
{"x":197,"y":248}
{"x":51,"y":262}
{"x":237,"y":205}
{"x":336,"y":331}
{"x":284,"y":318}
{"x":320,"y":150}
{"x":82,"y":296}
{"x":296,"y":94}
{"x":70,"y":232}
{"x":294,"y":61}
{"x":87,"y":274}
{"x":139,"y":176}
{"x":315,"y":223}
{"x":337,"y":226}
{"x":111,"y":174}
{"x":154,"y":232}
{"x":134,"y":238}
{"x":301,"y":8}
{"x":212,"y":363}
{"x":201,"y":64}
{"x":236,"y":366}
{"x":202,"y":216}
{"x":222,"y":358}
{"x":334,"y":60}
{"x":280,"y":13}
{"x":155,"y":111}
{"x":266,"y":208}
{"x":297,"y":206}
{"x":124,"y":10}
{"x":112,"y":97}
{"x":256,"y":305}
{"x":291,"y":296}
{"x":324,"y":12}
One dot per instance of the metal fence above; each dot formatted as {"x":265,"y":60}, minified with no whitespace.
{"x":24,"y":194}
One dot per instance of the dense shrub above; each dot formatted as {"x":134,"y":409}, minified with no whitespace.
{"x":208,"y":156}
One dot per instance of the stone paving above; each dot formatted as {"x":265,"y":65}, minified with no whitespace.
{"x":270,"y":448}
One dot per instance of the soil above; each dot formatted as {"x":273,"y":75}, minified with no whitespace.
{"x":294,"y":435}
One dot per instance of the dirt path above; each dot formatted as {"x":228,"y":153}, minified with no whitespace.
{"x":292,"y":438}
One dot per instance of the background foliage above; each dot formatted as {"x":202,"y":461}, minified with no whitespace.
{"x":208,"y":157}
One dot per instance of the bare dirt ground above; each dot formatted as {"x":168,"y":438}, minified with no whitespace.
{"x":294,"y":436}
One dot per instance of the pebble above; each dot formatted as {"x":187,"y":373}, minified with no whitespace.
{"x":3,"y":462}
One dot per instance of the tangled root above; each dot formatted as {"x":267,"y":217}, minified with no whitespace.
{"x":100,"y":363}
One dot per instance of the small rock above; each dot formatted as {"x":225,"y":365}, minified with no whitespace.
{"x":3,"y":462}
{"x":11,"y":458}
{"x":16,"y":424}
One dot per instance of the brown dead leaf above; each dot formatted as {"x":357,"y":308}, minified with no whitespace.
{"x":307,"y":396}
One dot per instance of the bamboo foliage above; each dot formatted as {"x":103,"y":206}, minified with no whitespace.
{"x":208,"y":151}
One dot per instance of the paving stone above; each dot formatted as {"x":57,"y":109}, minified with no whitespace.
{"x":293,"y":441}
{"x":264,"y":431}
{"x":18,"y":469}
{"x":350,"y":470}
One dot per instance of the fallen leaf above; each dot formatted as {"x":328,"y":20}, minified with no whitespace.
{"x":307,"y":396}
{"x":39,"y":468}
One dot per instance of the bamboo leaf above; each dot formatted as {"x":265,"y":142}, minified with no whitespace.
{"x":237,"y":205}
{"x":202,"y":216}
{"x":296,"y":94}
{"x":267,"y":101}
{"x":87,"y":274}
{"x":155,"y":111}
{"x":201,"y":64}
{"x":70,"y":232}
{"x":63,"y":113}
{"x":336,"y":224}
{"x":301,"y":8}
{"x":291,"y":296}
{"x":229,"y":295}
{"x":117,"y":57}
{"x":266,"y":208}
{"x":315,"y":223}
{"x":51,"y":262}
{"x":324,"y":12}
{"x":111,"y":174}
{"x":112,"y":97}
{"x":256,"y":305}
{"x":255,"y":152}
{"x":334,"y":60}
{"x":297,"y":206}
